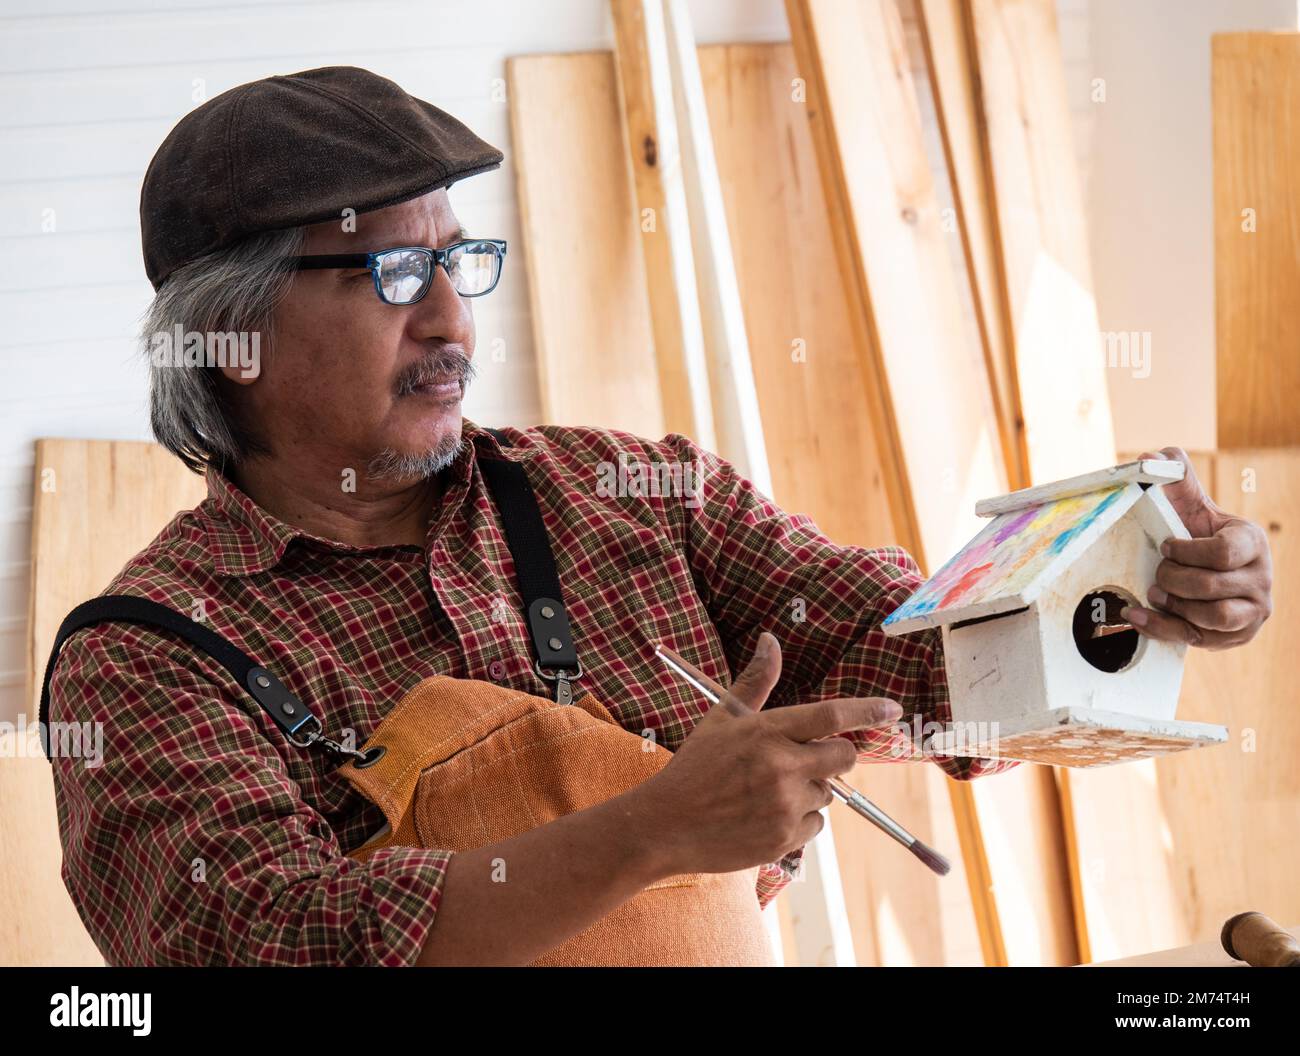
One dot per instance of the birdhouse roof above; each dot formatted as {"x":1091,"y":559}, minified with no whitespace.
{"x":1036,"y":534}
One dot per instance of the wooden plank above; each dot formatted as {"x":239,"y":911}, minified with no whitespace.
{"x":949,"y":53}
{"x":39,"y":925}
{"x":938,"y":440}
{"x":1145,"y":471}
{"x":784,"y":940}
{"x":736,"y":417}
{"x":1022,"y":828}
{"x":1021,"y":817}
{"x":811,"y":390}
{"x":645,"y":94}
{"x":573,"y":99}
{"x":1132,"y":879}
{"x":94,"y":505}
{"x":810,"y":379}
{"x":1229,"y":814}
{"x":1042,"y":231}
{"x":1059,"y":370}
{"x":1255,"y":83}
{"x":1011,"y":828}
{"x":591,"y":317}
{"x":938,"y":443}
{"x":822,"y":925}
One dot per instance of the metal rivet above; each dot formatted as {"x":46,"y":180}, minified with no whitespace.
{"x":547,"y":612}
{"x":555,"y":644}
{"x":288,"y":708}
{"x":263,"y":681}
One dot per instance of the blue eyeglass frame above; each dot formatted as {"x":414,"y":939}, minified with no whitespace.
{"x":370,"y":261}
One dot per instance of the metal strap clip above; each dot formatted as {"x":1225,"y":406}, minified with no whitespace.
{"x":563,"y":679}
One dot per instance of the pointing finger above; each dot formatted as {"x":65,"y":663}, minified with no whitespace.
{"x":807,"y":722}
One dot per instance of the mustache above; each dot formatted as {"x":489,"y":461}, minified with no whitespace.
{"x":445,"y":365}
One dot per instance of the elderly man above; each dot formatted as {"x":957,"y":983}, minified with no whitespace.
{"x":387,"y":564}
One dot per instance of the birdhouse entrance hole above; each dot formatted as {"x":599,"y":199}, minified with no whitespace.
{"x":1103,"y":637}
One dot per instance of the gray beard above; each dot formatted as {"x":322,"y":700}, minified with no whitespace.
{"x":395,"y":465}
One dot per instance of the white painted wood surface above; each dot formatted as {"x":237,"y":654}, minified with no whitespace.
{"x":1146,"y":471}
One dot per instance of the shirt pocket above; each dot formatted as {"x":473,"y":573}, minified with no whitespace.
{"x":636,"y":572}
{"x":639,"y":592}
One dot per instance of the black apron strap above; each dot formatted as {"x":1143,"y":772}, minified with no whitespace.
{"x":290,"y":714}
{"x":555,"y":657}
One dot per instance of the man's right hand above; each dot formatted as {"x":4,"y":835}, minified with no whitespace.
{"x":747,"y":786}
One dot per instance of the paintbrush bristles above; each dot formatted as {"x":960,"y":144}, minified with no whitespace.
{"x":932,"y":858}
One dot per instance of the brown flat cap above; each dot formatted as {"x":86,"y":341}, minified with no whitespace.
{"x":293,"y":150}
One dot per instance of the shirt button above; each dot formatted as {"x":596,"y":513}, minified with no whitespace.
{"x":497,"y":669}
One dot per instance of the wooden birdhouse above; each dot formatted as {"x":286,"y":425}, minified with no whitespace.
{"x":1041,"y":666}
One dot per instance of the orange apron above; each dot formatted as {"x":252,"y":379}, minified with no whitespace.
{"x":468,"y":763}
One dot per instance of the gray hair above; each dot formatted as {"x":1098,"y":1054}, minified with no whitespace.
{"x":234,"y":290}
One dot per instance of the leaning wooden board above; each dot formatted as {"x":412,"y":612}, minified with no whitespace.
{"x":595,"y":321}
{"x":1037,"y":205}
{"x":39,"y":925}
{"x":737,"y":421}
{"x":825,"y":462}
{"x":904,"y":301}
{"x":1209,"y":833}
{"x":95,"y":503}
{"x":938,"y":442}
{"x":1023,"y":825}
{"x":1229,"y":815}
{"x":897,"y":921}
{"x":655,"y":157}
{"x":1254,"y":89}
{"x":945,"y":31}
{"x":586,"y":277}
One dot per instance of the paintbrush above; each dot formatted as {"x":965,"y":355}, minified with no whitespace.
{"x":854,"y":799}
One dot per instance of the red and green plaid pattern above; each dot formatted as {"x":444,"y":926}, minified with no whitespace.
{"x":205,"y":838}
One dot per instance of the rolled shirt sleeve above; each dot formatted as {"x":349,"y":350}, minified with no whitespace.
{"x":190,"y":844}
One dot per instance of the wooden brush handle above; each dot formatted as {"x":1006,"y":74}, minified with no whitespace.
{"x":1260,"y":942}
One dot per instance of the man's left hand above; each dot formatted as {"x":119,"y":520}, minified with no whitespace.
{"x":1214,"y":589}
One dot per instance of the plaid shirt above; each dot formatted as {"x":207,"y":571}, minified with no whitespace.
{"x":204,"y":837}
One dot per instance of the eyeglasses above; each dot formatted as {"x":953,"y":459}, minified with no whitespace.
{"x":404,"y":275}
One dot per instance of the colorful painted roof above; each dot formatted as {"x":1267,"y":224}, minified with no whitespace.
{"x":1012,"y":558}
